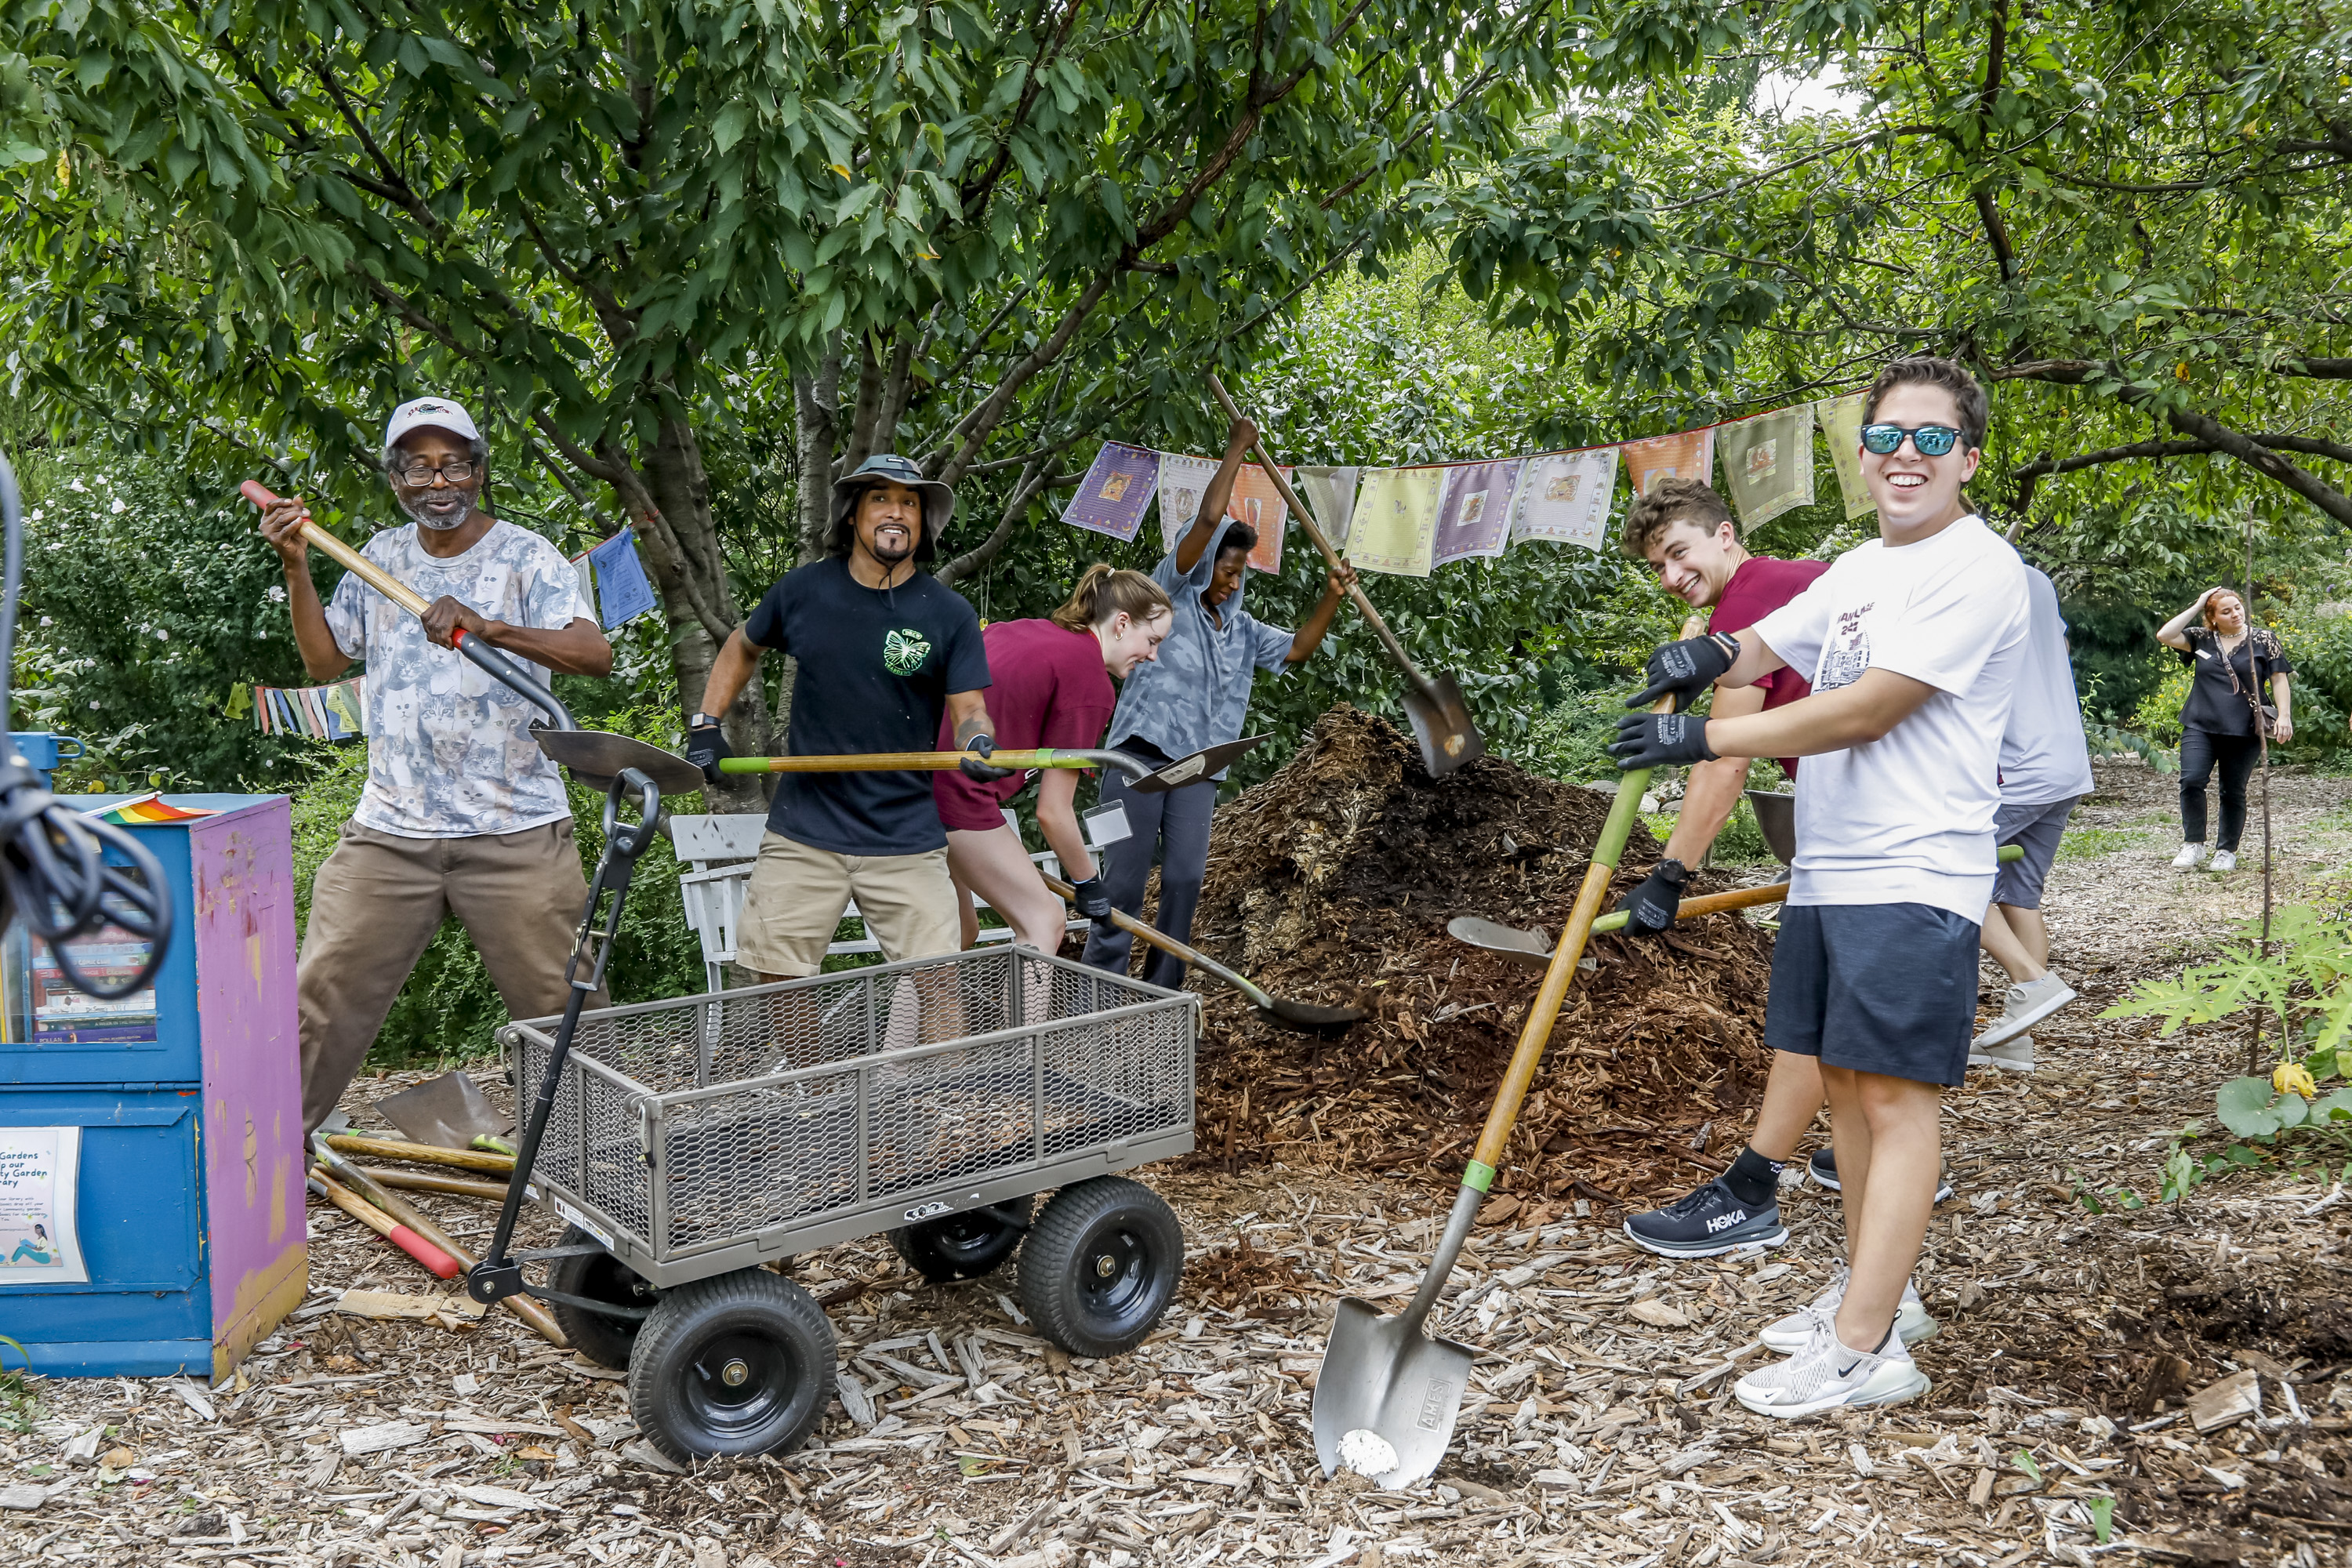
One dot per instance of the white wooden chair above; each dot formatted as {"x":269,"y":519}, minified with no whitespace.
{"x":722,"y":850}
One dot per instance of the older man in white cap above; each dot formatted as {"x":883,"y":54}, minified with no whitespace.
{"x":463,"y":814}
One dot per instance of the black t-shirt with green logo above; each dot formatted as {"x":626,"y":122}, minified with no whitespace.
{"x":877,"y":666}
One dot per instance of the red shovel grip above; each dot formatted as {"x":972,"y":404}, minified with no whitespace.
{"x":425,"y":1252}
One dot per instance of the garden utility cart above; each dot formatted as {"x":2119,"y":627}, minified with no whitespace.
{"x":692,"y":1144}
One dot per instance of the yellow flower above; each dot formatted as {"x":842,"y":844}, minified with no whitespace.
{"x":64,"y":171}
{"x":2293,"y":1078}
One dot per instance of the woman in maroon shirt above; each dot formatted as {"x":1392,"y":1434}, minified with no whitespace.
{"x":1050,"y":686}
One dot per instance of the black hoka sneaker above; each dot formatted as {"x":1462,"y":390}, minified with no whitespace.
{"x":1707,"y":1224}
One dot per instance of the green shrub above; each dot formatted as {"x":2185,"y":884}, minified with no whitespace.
{"x":2157,"y":716}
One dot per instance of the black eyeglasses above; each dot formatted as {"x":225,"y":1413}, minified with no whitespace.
{"x":418,"y":475}
{"x":1928,"y":440}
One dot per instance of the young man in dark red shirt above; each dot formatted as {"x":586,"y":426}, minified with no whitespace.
{"x":1686,"y":532}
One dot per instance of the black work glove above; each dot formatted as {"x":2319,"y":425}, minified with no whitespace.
{"x":1092,"y":898}
{"x":1655,"y":740}
{"x":972,"y":768}
{"x":1686,"y":669}
{"x":705,"y":745}
{"x":1650,"y":908}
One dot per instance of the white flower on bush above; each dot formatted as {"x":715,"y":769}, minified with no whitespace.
{"x":78,"y":485}
{"x":278,"y":593}
{"x":117,"y":505}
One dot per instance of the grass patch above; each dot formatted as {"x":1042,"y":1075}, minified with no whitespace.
{"x":2090,"y":843}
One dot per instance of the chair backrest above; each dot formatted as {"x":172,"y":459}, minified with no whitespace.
{"x":702,"y":840}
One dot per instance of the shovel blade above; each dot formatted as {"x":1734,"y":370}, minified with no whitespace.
{"x":1776,"y":814}
{"x":1528,"y":947}
{"x":449,"y":1110}
{"x":1382,"y":1375}
{"x":1206,"y":762}
{"x":595,"y":756}
{"x":1441,"y":722}
{"x":1311,"y":1015}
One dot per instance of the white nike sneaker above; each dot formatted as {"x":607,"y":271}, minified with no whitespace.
{"x":2024,"y":1007}
{"x":1791,"y":1334}
{"x":2188,"y":857}
{"x":1828,"y":1376}
{"x":2223,"y":860}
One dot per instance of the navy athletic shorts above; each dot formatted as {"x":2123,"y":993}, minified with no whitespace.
{"x":2036,"y":829}
{"x":1883,"y":988}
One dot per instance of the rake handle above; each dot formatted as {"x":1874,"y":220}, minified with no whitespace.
{"x":1307,"y":521}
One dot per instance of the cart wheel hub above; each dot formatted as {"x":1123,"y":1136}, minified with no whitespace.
{"x":1106,"y":1265}
{"x":734,"y":1373}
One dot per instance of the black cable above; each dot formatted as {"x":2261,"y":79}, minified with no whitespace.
{"x":54,"y":873}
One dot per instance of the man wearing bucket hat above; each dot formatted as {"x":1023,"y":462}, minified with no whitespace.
{"x":884,"y":651}
{"x":462,"y":814}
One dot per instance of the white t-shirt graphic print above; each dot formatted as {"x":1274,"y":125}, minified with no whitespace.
{"x":450,"y":752}
{"x":1907,"y":819}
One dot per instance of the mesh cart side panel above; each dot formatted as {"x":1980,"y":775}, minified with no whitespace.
{"x":951,"y":1116}
{"x":1110,"y":1080}
{"x":739,"y":1164}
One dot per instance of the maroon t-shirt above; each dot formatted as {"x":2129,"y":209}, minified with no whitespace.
{"x":1049,"y":688}
{"x":1758,"y":587}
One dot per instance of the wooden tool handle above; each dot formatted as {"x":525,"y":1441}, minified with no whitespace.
{"x":1535,"y":1033}
{"x":440,"y":1263}
{"x":350,"y":560}
{"x":1307,"y":521}
{"x":912,"y":761}
{"x":1154,"y":937}
{"x":540,"y":1321}
{"x":421,"y":1154}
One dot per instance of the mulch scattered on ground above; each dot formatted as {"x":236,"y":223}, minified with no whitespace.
{"x":1333,"y":880}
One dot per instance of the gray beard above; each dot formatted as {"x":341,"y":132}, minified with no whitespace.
{"x":424,"y":517}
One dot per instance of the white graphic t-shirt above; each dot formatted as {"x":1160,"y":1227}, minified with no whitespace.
{"x":1907,"y":819}
{"x":450,"y":753}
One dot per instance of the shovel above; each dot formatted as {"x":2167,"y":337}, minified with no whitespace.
{"x":449,"y":1110}
{"x":1439,"y":713}
{"x":1387,"y":1396}
{"x":1282,"y":1009}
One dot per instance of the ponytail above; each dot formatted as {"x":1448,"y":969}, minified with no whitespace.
{"x":1103,"y":591}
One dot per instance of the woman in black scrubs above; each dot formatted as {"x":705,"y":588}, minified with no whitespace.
{"x":2232,"y":663}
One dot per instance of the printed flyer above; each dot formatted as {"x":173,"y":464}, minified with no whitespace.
{"x":39,"y":1245}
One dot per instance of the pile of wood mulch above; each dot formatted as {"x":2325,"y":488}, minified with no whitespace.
{"x":1333,"y":880}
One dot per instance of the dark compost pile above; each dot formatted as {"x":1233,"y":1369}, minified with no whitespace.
{"x":1332,"y":881}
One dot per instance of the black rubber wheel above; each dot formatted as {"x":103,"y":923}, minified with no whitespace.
{"x":962,"y":1246}
{"x":1100,"y":1265}
{"x":600,"y":1276}
{"x":740,"y":1363}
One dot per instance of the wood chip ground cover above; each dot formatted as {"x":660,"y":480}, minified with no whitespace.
{"x":1598,"y":1433}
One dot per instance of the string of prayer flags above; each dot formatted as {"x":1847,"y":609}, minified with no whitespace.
{"x":1330,"y":495}
{"x":1841,"y":420}
{"x":1475,"y":516}
{"x":1563,"y":496}
{"x":1117,"y":491}
{"x":1395,"y":525}
{"x":623,"y":592}
{"x":146,"y":808}
{"x":1768,"y":463}
{"x":1688,"y":455}
{"x":336,"y":712}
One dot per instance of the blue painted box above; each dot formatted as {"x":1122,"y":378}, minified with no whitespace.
{"x":183,"y":1112}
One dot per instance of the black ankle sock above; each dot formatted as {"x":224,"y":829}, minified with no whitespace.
{"x":1753,"y":1179}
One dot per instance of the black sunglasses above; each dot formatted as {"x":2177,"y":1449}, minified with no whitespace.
{"x":1928,"y":440}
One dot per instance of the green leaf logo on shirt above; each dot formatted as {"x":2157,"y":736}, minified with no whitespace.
{"x":903,"y":652}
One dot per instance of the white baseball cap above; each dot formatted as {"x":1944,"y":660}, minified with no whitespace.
{"x":433,"y":412}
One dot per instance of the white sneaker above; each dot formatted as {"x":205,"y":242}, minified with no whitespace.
{"x":2190,"y":855}
{"x":2011,"y":1055}
{"x":2024,"y":1007}
{"x":2223,"y":860}
{"x":1827,"y":1375}
{"x":1791,"y":1334}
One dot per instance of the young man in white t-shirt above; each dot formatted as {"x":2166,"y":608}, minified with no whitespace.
{"x":1915,"y":641}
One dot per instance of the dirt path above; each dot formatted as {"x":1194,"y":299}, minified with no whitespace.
{"x":1597,"y":1435}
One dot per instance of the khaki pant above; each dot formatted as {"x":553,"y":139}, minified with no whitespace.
{"x":797,"y":894}
{"x":377,"y":903}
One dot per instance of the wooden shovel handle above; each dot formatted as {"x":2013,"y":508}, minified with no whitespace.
{"x":1307,"y":521}
{"x":1535,"y":1033}
{"x":350,"y":560}
{"x":917,"y":762}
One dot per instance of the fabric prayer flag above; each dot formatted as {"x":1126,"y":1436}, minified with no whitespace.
{"x":1182,"y":481}
{"x":346,"y":705}
{"x":1841,"y":420}
{"x":1254,"y":500}
{"x":1117,"y":490}
{"x":1768,"y":463}
{"x":1475,"y":516}
{"x":1689,"y":455}
{"x":1330,"y":495}
{"x":623,"y":590}
{"x":1395,"y":524}
{"x":1564,"y":497}
{"x":587,"y":580}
